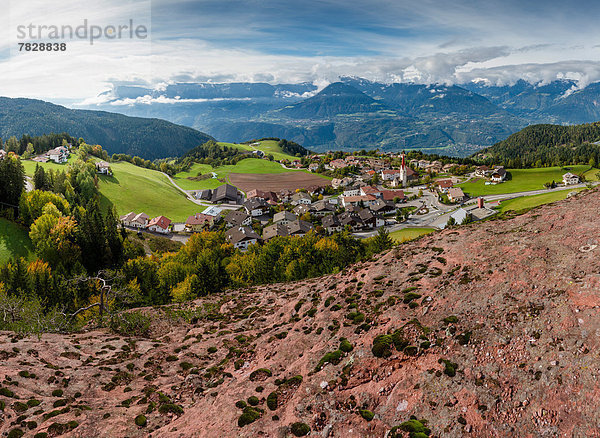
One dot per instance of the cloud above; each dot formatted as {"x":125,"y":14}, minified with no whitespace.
{"x":277,"y":41}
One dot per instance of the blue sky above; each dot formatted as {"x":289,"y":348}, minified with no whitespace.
{"x":291,"y":41}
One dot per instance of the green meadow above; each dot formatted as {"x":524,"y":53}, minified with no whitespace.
{"x":14,"y":241}
{"x":407,"y":234}
{"x":527,"y":202}
{"x":521,"y":180}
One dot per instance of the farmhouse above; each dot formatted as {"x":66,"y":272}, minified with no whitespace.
{"x":225,"y":194}
{"x":284,"y":217}
{"x":135,"y":220}
{"x":299,"y":228}
{"x":358,"y":200}
{"x":267,"y":196}
{"x":256,"y":207}
{"x":59,"y":155}
{"x":352,"y":191}
{"x":322,"y":208}
{"x":275,"y":230}
{"x":570,"y":179}
{"x":455,"y":194}
{"x":331,"y":223}
{"x":499,"y":174}
{"x":483,"y":171}
{"x":242,"y":237}
{"x":103,"y":168}
{"x":200,"y":222}
{"x":237,"y":219}
{"x":371,"y":220}
{"x":301,"y":198}
{"x":444,"y":184}
{"x":390,"y":195}
{"x":127,"y":219}
{"x":159,"y":224}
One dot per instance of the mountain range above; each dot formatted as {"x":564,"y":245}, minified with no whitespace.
{"x":356,"y":113}
{"x":117,"y":133}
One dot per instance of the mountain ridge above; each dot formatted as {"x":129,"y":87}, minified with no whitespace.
{"x":117,"y":133}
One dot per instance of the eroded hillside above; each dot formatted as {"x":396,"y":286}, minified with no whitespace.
{"x":493,"y":331}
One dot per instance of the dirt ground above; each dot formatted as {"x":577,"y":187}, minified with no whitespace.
{"x":276,"y":181}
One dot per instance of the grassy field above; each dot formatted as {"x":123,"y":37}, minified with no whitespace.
{"x":267,"y":146}
{"x":249,"y":165}
{"x":522,"y":180}
{"x":407,"y":234}
{"x":14,"y":241}
{"x":133,"y":188}
{"x":30,"y":165}
{"x":527,"y":202}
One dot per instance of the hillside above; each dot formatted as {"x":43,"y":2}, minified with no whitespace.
{"x":550,"y":144}
{"x":148,"y":138}
{"x":479,"y":346}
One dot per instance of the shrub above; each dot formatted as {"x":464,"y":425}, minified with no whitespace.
{"x":345,"y":345}
{"x":57,"y":393}
{"x":20,"y":407}
{"x":61,"y":428}
{"x":212,"y":349}
{"x":300,"y":429}
{"x":240,"y":404}
{"x":382,"y":346}
{"x":333,"y":357}
{"x":249,"y":415}
{"x":450,"y":319}
{"x":253,"y":400}
{"x":41,"y":435}
{"x":449,"y":367}
{"x":170,"y":408}
{"x":6,"y":392}
{"x":260,"y":374}
{"x":16,"y":433}
{"x":141,"y":420}
{"x":410,"y":297}
{"x":186,"y":365}
{"x":366,"y":414}
{"x":131,"y":324}
{"x":33,"y":402}
{"x":272,"y":401}
{"x":60,"y":403}
{"x":414,"y":427}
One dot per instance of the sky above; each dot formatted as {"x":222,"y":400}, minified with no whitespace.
{"x":279,"y":41}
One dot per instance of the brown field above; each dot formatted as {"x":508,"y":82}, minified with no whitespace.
{"x":276,"y":181}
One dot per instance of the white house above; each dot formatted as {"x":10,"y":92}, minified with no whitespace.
{"x":301,"y":198}
{"x":570,"y":179}
{"x":159,"y":224}
{"x":59,"y":155}
{"x":242,"y":237}
{"x":103,"y":168}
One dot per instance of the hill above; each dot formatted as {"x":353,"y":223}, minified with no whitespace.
{"x":548,"y":145}
{"x":445,"y":336}
{"x":147,"y":138}
{"x":133,"y":188}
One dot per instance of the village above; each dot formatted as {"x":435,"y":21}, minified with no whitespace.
{"x":383,"y":191}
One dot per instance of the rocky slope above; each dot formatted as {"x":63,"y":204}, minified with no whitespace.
{"x":494,"y":332}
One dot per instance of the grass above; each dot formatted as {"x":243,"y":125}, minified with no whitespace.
{"x":248,"y":165}
{"x":592,"y":175}
{"x":407,"y":234}
{"x":522,"y":180}
{"x":133,"y":188}
{"x":527,"y":202}
{"x":267,"y":146}
{"x":14,"y":241}
{"x":30,"y":165}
